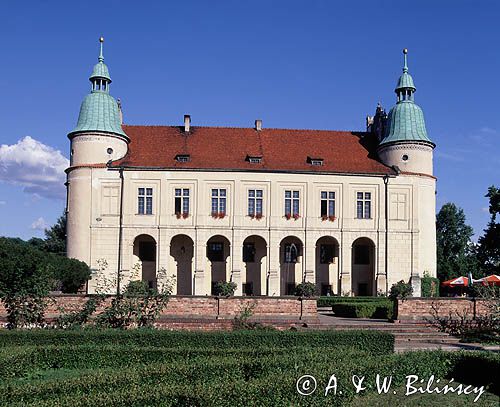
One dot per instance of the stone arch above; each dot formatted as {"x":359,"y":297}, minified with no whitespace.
{"x":218,"y":257}
{"x":291,"y":252}
{"x":363,"y":267}
{"x":144,"y":264}
{"x":182,"y":254}
{"x":327,"y":265}
{"x":254,"y":256}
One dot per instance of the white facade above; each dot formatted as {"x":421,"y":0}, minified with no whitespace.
{"x":365,"y":256}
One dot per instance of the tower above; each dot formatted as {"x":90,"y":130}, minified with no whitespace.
{"x":407,"y":147}
{"x":405,"y":143}
{"x":97,"y":138}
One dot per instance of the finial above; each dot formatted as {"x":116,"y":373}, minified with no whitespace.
{"x":405,"y":52}
{"x":101,"y":57}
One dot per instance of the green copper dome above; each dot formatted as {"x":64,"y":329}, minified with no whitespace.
{"x":99,"y":110}
{"x":405,"y":81}
{"x":405,"y":122}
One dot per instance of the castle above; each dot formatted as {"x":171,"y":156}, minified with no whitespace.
{"x":352,"y":212}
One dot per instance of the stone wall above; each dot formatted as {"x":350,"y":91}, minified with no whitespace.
{"x":206,"y":312}
{"x":420,"y":309}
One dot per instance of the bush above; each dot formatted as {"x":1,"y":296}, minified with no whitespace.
{"x":370,"y":341}
{"x":400,"y":290}
{"x":255,"y":377}
{"x":373,"y":309}
{"x":429,"y":286}
{"x":326,"y":301}
{"x":306,"y":289}
{"x":71,"y":273}
{"x":224,"y":288}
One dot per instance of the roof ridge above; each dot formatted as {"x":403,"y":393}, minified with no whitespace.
{"x":244,"y":128}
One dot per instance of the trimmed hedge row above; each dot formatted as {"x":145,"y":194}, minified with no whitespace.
{"x":326,"y":301}
{"x":263,"y":381}
{"x":376,"y":309}
{"x":38,"y":359}
{"x":371,"y":341}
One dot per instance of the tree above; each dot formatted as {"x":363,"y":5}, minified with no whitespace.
{"x":55,"y":237}
{"x":24,"y":282}
{"x":454,"y":247}
{"x":488,"y":252}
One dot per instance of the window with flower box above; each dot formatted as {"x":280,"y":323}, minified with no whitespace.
{"x":219,"y":197}
{"x":181,"y":202}
{"x":292,"y":204}
{"x":255,"y":203}
{"x":328,"y":205}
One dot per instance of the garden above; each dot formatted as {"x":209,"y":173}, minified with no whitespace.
{"x":146,"y":367}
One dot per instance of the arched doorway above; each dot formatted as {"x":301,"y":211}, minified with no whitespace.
{"x":218,"y":251}
{"x":254,"y":257}
{"x":291,"y":249}
{"x":327,"y":265}
{"x":363,"y":267}
{"x":145,"y":257}
{"x":182,"y":251}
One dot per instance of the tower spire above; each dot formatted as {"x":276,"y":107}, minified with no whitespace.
{"x":101,"y":56}
{"x":405,"y":53}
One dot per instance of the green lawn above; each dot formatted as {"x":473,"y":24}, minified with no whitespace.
{"x":244,"y":368}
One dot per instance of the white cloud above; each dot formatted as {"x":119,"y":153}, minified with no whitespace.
{"x":3,"y":202}
{"x":488,"y":130}
{"x":39,"y":224}
{"x":35,"y":166}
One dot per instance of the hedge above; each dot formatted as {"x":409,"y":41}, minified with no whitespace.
{"x":326,"y":301}
{"x":379,"y":309}
{"x":371,"y":341}
{"x":429,"y":286}
{"x":260,"y":381}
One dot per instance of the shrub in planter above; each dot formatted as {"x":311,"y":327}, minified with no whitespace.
{"x":224,"y":288}
{"x":306,"y":289}
{"x":379,"y":310}
{"x":430,"y":286}
{"x":400,"y":290}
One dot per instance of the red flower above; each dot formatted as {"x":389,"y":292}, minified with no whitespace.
{"x":296,"y":216}
{"x":331,"y":218}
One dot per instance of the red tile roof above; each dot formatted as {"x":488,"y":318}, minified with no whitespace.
{"x":226,"y":148}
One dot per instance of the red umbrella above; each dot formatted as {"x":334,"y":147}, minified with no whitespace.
{"x":490,"y":280}
{"x":456,"y":282}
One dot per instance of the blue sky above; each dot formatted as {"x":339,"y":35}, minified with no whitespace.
{"x":295,"y":64}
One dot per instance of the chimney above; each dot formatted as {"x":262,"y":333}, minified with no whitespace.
{"x":258,"y":124}
{"x":120,"y":111}
{"x":187,"y":123}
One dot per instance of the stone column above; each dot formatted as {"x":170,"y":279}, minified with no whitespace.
{"x":345,"y":267}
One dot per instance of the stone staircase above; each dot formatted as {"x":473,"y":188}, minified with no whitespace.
{"x":408,"y":335}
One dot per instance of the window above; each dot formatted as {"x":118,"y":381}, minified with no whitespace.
{"x":291,"y":203}
{"x":361,"y":254}
{"x":291,"y":253}
{"x":109,"y":200}
{"x":255,"y":202}
{"x":315,"y":161}
{"x":145,"y":201}
{"x":326,"y":253}
{"x":218,"y":201}
{"x":249,"y":253}
{"x":182,"y":201}
{"x":364,"y":205}
{"x":215,"y":251}
{"x":327,"y":203}
{"x":182,"y":158}
{"x":254,"y":159}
